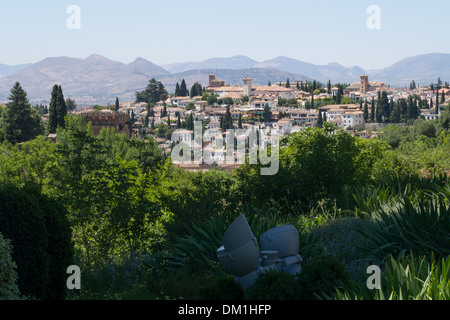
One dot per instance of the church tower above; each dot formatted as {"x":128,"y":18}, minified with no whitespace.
{"x":248,"y":86}
{"x":364,"y":86}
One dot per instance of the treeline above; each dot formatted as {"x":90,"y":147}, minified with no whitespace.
{"x":20,"y":121}
{"x":401,"y":111}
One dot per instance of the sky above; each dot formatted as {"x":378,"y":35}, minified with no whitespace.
{"x":170,"y":31}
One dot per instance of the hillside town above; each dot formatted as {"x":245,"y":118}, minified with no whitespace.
{"x":286,"y":106}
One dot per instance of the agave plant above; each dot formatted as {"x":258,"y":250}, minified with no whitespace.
{"x":405,"y":278}
{"x":421,"y":227}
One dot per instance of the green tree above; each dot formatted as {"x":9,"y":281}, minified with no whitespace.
{"x":372,"y":110}
{"x":384,"y":105}
{"x":437,"y":101}
{"x":8,"y":286}
{"x":117,"y":105}
{"x":196,"y":90}
{"x":53,"y":111}
{"x":319,"y":120}
{"x":153,"y":93}
{"x":40,"y":232}
{"x":228,"y":101}
{"x":178,"y":121}
{"x":212,"y":99}
{"x":62,"y":108}
{"x":338,"y":97}
{"x":412,"y":111}
{"x":395,"y":114}
{"x":71,"y":104}
{"x":177,"y":90}
{"x":164,"y":111}
{"x":366,"y":111}
{"x":183,"y":89}
{"x":227,"y":120}
{"x":288,"y":84}
{"x":57,"y":110}
{"x":20,"y":122}
{"x":267,"y":113}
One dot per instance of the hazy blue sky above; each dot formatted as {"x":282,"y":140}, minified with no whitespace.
{"x":178,"y":30}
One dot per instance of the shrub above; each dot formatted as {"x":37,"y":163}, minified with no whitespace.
{"x":8,"y":274}
{"x":321,"y":276}
{"x":39,"y":233}
{"x":343,"y":240}
{"x":274,"y":285}
{"x":224,"y":288}
{"x":313,"y":165}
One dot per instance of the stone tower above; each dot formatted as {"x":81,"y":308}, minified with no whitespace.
{"x":248,"y":86}
{"x":364,"y":86}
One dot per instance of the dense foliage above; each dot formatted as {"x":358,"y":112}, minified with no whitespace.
{"x":144,"y":229}
{"x":8,"y":274}
{"x":41,"y":237}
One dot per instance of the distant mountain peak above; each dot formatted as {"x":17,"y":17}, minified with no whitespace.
{"x":96,"y":56}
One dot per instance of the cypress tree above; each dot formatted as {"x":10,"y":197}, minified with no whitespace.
{"x":319,"y":120}
{"x":412,"y":109}
{"x":177,"y":90}
{"x":437,"y":101}
{"x":395,"y":113}
{"x":378,"y":114}
{"x":164,"y":111}
{"x":53,"y":111}
{"x":183,"y":89}
{"x":338,"y":97}
{"x":372,"y":111}
{"x":179,"y":121}
{"x":228,"y":120}
{"x":366,"y":112}
{"x":288,"y":84}
{"x":191,"y":122}
{"x":384,"y":106}
{"x":117,"y":104}
{"x":62,"y":108}
{"x":240,"y":121}
{"x":57,"y":110}
{"x":146,"y":119}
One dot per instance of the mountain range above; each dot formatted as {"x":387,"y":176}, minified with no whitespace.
{"x":97,"y":79}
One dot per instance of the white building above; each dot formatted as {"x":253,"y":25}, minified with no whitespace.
{"x":352,"y":119}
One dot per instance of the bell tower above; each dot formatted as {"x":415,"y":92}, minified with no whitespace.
{"x":364,"y":84}
{"x":248,"y":86}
